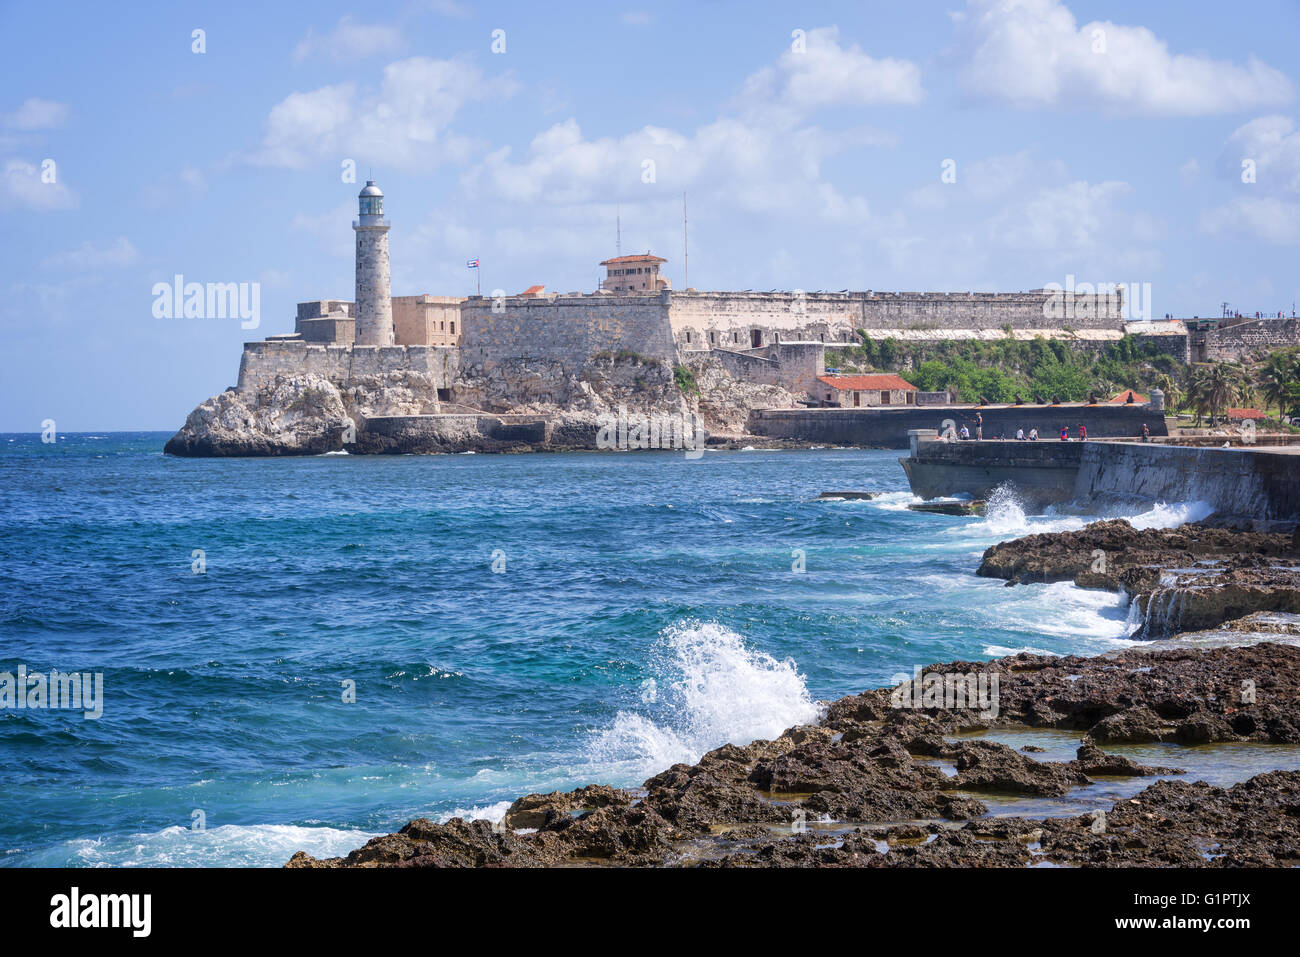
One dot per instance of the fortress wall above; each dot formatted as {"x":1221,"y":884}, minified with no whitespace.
{"x":727,"y":320}
{"x":569,"y":330}
{"x":730,"y":319}
{"x":1246,"y":338}
{"x":262,"y":362}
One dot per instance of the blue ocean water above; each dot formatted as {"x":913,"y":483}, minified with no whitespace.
{"x":641,"y":608}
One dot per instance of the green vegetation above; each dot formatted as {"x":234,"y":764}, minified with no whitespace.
{"x":1000,"y":369}
{"x":685,"y":380}
{"x":1278,"y":381}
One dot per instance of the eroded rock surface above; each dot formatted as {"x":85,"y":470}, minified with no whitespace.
{"x":1183,"y":579}
{"x":877,"y":784}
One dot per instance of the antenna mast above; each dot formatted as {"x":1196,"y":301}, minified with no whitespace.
{"x":686,"y":247}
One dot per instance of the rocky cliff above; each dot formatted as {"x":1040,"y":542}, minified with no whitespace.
{"x":517,"y":405}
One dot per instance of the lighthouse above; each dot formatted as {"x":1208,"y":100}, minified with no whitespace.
{"x":374,"y":307}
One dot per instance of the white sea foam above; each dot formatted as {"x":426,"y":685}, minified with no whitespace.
{"x":231,"y":845}
{"x":479,"y":812}
{"x":894,"y":501}
{"x":709,"y":689}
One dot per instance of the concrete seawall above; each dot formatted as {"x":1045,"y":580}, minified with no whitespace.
{"x":887,"y":428}
{"x":1256,"y":487}
{"x":1042,"y":472}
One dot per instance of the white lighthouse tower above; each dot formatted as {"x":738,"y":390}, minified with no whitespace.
{"x":374,"y":306}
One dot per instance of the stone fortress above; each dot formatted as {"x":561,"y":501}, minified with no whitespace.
{"x":454,"y":360}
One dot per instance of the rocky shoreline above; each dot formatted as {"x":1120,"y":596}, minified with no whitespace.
{"x":876,"y":784}
{"x":915,"y":775}
{"x":1189,"y":578}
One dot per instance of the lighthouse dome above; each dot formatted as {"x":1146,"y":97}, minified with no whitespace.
{"x":370,"y":203}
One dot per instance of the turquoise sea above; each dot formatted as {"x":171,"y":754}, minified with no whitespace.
{"x":640,"y":609}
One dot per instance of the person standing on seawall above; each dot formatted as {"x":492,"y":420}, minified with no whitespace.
{"x":1083,"y":432}
{"x":1146,"y":433}
{"x":979,"y":425}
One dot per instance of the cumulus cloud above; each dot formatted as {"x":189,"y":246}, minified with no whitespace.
{"x":24,"y":186}
{"x":349,"y":41}
{"x":1033,"y":53}
{"x":1072,"y":217}
{"x":90,"y":256}
{"x":404,"y":123}
{"x":1267,"y":218}
{"x":759,"y":169}
{"x":828,"y":73}
{"x":1266,"y":209}
{"x":37,"y":114}
{"x":1273,"y":144}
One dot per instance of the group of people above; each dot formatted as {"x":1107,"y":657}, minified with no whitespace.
{"x":964,"y":432}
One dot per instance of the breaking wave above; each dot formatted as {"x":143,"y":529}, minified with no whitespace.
{"x":708,"y":689}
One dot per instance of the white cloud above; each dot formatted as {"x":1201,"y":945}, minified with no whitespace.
{"x":1265,"y":218}
{"x":349,"y":41}
{"x":1264,"y":209}
{"x":750,"y":167}
{"x":1070,"y":218}
{"x":1273,"y":143}
{"x":404,"y":124}
{"x":90,"y":256}
{"x":23,"y":186}
{"x":37,"y":114}
{"x":829,"y":74}
{"x":1032,"y":53}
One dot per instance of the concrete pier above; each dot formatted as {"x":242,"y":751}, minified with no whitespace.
{"x":1252,"y":486}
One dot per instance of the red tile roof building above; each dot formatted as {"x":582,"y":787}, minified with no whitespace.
{"x":866,"y":390}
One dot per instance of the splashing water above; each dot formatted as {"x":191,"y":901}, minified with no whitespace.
{"x":1172,"y":515}
{"x":710,"y":690}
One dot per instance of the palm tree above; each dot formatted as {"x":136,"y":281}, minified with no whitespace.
{"x":1173,"y":392}
{"x":1279,"y":379}
{"x":1216,"y":386}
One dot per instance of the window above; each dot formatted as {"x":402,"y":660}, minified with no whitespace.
{"x":453,"y":327}
{"x":756,"y":338}
{"x":911,"y":397}
{"x":884,"y":397}
{"x":857,"y":398}
{"x":688,"y":336}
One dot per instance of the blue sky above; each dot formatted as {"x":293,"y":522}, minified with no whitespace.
{"x":1103,"y":140}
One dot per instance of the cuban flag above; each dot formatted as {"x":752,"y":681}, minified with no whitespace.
{"x":472,"y":264}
